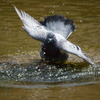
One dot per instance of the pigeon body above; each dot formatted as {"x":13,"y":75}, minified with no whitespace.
{"x":53,"y":33}
{"x":50,"y":49}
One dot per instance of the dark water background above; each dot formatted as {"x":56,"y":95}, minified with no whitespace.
{"x":24,"y":76}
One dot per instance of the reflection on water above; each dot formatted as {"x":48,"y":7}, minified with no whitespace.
{"x":24,"y":76}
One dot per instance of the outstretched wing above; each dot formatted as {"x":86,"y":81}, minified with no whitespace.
{"x":32,"y":26}
{"x":74,"y":49}
{"x":59,"y":24}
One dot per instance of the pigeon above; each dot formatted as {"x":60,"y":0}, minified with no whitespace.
{"x":53,"y":33}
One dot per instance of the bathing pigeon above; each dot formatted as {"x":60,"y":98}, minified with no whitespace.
{"x":53,"y":33}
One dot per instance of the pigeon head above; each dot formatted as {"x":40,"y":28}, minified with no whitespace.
{"x":51,"y":39}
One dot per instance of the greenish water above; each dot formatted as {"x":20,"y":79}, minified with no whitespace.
{"x":23,"y":75}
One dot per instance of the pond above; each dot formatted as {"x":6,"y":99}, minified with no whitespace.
{"x":23,"y":74}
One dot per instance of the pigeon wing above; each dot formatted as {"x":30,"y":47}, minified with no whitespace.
{"x":74,"y":49}
{"x":32,"y":26}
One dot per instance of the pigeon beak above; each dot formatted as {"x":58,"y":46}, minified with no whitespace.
{"x":50,"y":39}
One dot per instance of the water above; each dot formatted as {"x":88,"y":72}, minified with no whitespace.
{"x":23,"y":75}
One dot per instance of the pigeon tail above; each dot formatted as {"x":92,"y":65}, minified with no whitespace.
{"x":59,"y":24}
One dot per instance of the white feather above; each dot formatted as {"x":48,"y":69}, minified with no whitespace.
{"x":76,"y":50}
{"x":60,"y":28}
{"x":32,"y":26}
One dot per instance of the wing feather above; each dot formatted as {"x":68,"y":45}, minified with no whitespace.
{"x":32,"y":26}
{"x":76,"y":50}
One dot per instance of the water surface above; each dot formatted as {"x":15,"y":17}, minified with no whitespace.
{"x":23,"y":75}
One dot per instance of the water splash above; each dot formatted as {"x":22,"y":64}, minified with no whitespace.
{"x":39,"y":73}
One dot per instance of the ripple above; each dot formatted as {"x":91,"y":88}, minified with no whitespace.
{"x":41,"y":73}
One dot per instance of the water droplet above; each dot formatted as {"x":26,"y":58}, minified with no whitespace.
{"x":81,"y":21}
{"x":63,"y":4}
{"x":54,"y":6}
{"x":67,"y":12}
{"x":18,"y":50}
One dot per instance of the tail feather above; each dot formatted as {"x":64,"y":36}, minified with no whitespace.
{"x":59,"y":24}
